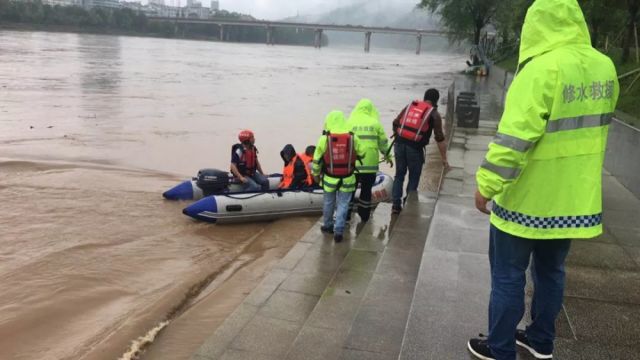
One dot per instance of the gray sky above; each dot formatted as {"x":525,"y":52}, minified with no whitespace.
{"x":278,"y":9}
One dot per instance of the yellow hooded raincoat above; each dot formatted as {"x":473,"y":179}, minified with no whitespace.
{"x":365,"y":123}
{"x":543,"y":169}
{"x":334,"y":123}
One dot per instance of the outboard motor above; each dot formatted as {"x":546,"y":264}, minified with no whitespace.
{"x":213,"y":181}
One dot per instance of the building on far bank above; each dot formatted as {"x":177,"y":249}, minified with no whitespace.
{"x":156,"y":8}
{"x":62,"y":2}
{"x":196,"y":10}
{"x":133,"y":5}
{"x":113,"y":4}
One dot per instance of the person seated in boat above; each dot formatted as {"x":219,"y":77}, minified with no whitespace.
{"x":309,"y":151}
{"x":335,"y":160}
{"x":245,"y":165}
{"x":296,"y":173}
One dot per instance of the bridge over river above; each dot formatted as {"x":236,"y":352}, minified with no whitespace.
{"x":318,"y":28}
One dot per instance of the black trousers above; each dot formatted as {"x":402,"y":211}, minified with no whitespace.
{"x":366,"y":182}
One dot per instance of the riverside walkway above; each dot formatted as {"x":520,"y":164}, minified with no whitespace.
{"x":417,"y":286}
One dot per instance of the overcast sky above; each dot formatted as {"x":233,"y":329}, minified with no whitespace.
{"x":278,"y":9}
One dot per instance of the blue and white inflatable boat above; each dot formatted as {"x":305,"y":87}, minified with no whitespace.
{"x":232,"y":207}
{"x":211,"y":182}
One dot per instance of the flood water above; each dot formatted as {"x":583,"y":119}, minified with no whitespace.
{"x":94,"y":128}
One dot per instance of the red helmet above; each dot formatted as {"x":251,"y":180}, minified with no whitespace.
{"x":246,"y":135}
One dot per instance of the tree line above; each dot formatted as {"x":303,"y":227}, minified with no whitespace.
{"x":124,"y":20}
{"x":35,"y":12}
{"x":612,"y":23}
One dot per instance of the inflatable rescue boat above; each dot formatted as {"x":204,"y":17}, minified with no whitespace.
{"x":229,"y":207}
{"x":211,"y":182}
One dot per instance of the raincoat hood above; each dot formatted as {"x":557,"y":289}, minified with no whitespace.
{"x":287,"y":153}
{"x":551,"y":24}
{"x":365,"y":108}
{"x":335,"y":122}
{"x":310,"y":150}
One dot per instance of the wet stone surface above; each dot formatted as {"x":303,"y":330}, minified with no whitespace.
{"x":290,"y":306}
{"x":602,"y":301}
{"x":267,"y":336}
{"x":317,"y":344}
{"x":417,"y":286}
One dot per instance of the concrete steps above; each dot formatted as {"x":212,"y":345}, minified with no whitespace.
{"x":453,"y":283}
{"x":339,"y":301}
{"x":449,"y":304}
{"x":363,"y":312}
{"x":416,"y":288}
{"x":332,"y":301}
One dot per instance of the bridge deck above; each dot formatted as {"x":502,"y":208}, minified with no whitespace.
{"x":325,"y":27}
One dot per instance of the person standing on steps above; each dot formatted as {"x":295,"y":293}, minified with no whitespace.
{"x":412,"y":129}
{"x":334,"y":164}
{"x":245,"y":165}
{"x":543,"y":172}
{"x":365,"y":124}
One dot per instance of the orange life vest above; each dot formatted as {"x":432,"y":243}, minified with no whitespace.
{"x":339,"y":160}
{"x":308,"y":164}
{"x":415,"y":122}
{"x":288,"y":173}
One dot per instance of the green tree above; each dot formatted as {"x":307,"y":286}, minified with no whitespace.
{"x":604,"y":18}
{"x":102,"y":19}
{"x":613,"y":18}
{"x":465,"y":19}
{"x":508,"y":22}
{"x":633,"y":14}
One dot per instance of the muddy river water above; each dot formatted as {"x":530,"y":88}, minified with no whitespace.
{"x":94,"y":128}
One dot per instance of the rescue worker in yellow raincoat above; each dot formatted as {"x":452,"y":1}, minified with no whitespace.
{"x":334,"y":164}
{"x":365,"y":124}
{"x":543,"y":172}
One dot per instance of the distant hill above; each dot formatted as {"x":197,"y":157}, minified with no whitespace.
{"x":375,"y":13}
{"x":401,"y":14}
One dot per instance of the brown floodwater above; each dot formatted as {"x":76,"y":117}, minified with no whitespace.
{"x":94,"y":128}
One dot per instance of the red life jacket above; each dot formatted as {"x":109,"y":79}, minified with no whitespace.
{"x":415,"y":122}
{"x":248,"y":160}
{"x":340,"y":158}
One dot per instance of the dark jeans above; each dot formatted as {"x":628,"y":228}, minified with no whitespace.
{"x":407,"y":158}
{"x":256,"y":182}
{"x":366,"y":182}
{"x":509,"y":258}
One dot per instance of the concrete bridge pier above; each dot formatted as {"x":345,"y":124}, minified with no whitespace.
{"x":418,"y":48}
{"x":367,"y":41}
{"x":270,"y":37}
{"x":318,"y":39}
{"x":221,"y":32}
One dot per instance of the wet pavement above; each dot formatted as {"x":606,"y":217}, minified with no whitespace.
{"x":420,"y":290}
{"x":601,"y":309}
{"x":332,"y":301}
